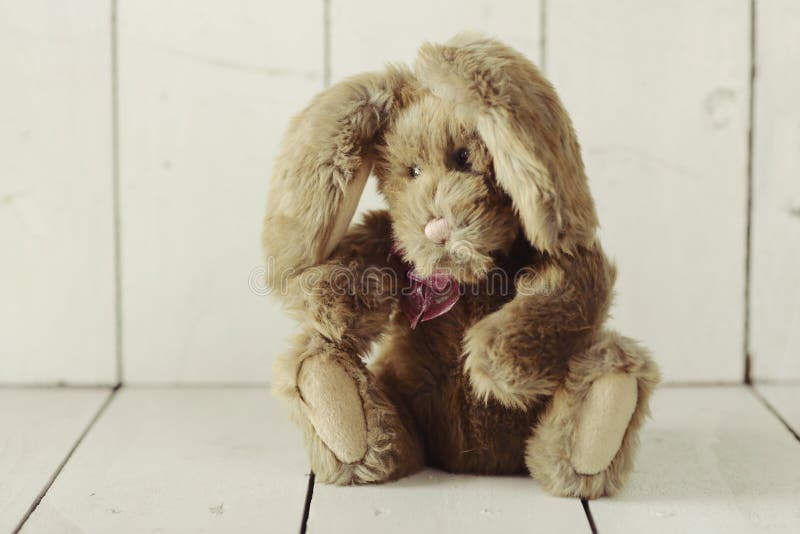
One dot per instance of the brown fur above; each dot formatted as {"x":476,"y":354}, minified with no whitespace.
{"x":548,"y":451}
{"x":494,"y":385}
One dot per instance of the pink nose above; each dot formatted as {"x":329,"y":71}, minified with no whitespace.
{"x":437,"y":230}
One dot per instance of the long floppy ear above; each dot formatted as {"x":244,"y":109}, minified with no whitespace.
{"x":526,"y":129}
{"x":324,"y":164}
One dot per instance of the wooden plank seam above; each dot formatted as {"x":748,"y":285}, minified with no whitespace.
{"x":66,"y":459}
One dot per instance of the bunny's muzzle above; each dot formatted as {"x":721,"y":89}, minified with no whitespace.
{"x":437,"y":230}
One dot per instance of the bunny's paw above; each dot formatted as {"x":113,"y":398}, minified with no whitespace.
{"x":496,"y":371}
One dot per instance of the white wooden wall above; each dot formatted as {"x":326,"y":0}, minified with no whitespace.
{"x":775,"y":252}
{"x":659,"y":92}
{"x":206,"y":90}
{"x":57,"y":320}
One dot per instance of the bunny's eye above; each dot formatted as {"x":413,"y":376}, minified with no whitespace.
{"x":461,"y":157}
{"x":414,"y":171}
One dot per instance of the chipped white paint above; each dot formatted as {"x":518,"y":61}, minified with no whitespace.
{"x":794,"y":206}
{"x":206,"y":91}
{"x":367,"y":35}
{"x":711,"y":460}
{"x":38,"y":428}
{"x":432,"y":501}
{"x":785,"y":399}
{"x":775,"y":226}
{"x":185,"y":460}
{"x":56,"y":218}
{"x":659,"y":96}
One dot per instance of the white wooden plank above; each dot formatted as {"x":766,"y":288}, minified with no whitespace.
{"x":183,"y":460}
{"x":206,"y":91}
{"x":775,"y":225}
{"x":367,"y":35}
{"x":38,"y":428}
{"x":56,"y":220}
{"x":659,"y":95}
{"x":364,"y":38}
{"x":711,"y":460}
{"x":785,"y":398}
{"x":432,"y":501}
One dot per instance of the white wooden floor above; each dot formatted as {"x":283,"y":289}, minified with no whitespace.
{"x":721,"y":459}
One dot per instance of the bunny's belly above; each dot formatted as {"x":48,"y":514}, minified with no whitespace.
{"x":463,"y":434}
{"x":423,"y":370}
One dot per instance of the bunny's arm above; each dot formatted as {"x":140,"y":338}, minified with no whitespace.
{"x":520,"y":353}
{"x":348,"y":298}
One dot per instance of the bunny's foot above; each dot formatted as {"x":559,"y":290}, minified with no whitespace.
{"x":354,"y":433}
{"x":332,"y":404}
{"x":603,"y":419}
{"x":585,"y":443}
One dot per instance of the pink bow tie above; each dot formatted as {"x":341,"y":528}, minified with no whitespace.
{"x":426,"y":298}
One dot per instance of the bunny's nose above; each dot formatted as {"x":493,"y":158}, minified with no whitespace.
{"x":437,"y":230}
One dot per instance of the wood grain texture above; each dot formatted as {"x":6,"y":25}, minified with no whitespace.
{"x":57,"y":321}
{"x":659,"y":96}
{"x":785,"y":399}
{"x":711,"y":460}
{"x":38,"y":428}
{"x":775,"y":225}
{"x":432,"y":501}
{"x":183,"y":460}
{"x":206,"y":92}
{"x":367,"y":35}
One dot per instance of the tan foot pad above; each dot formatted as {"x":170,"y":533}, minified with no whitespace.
{"x":602,"y":422}
{"x":334,"y":407}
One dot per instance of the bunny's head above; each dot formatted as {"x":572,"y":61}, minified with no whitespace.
{"x":471,"y":149}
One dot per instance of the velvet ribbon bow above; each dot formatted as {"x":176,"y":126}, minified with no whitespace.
{"x":425,"y":298}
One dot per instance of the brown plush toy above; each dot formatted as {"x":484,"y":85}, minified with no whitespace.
{"x":483,"y":281}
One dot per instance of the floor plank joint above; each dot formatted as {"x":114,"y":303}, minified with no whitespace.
{"x":784,"y":413}
{"x":66,"y":459}
{"x":588,"y":511}
{"x":307,"y":505}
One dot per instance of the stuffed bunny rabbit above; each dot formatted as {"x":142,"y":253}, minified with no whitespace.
{"x":483,"y":281}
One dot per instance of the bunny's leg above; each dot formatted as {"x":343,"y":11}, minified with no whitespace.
{"x":585,"y":443}
{"x":354,"y":432}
